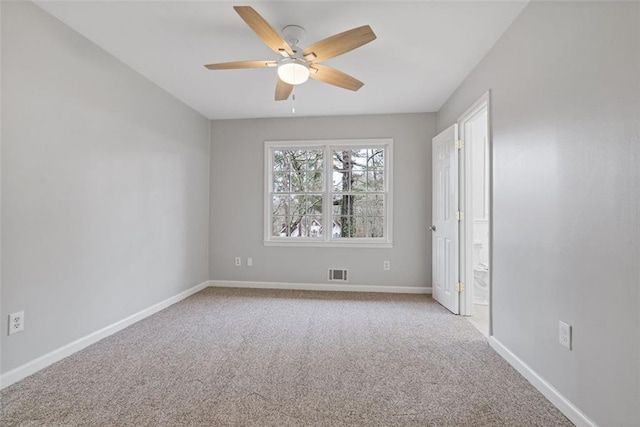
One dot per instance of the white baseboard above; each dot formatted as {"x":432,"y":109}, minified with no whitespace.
{"x":320,"y":287}
{"x":574,"y":414}
{"x":50,"y":358}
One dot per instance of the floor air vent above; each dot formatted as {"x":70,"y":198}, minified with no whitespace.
{"x":338,"y":275}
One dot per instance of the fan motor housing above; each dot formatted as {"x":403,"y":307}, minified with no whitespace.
{"x":294,"y":35}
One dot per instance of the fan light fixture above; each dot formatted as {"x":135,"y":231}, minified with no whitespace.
{"x":296,"y":65}
{"x":293,"y":71}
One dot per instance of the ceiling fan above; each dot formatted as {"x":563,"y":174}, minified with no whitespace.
{"x":296,"y":65}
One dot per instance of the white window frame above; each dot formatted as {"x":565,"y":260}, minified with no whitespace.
{"x":327,"y":240}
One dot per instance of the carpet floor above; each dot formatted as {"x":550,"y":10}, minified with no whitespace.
{"x":230,"y":357}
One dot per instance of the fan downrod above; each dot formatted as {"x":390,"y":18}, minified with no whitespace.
{"x":295,"y":35}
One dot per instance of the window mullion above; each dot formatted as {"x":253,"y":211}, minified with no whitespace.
{"x":328,"y":213}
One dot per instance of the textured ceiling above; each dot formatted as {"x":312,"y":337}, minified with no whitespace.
{"x":424,"y":50}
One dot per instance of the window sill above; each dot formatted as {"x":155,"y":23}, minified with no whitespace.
{"x":333,"y":244}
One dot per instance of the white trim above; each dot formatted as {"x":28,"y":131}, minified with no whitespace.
{"x":327,"y":239}
{"x":331,"y":244}
{"x":320,"y":287}
{"x":58,"y":354}
{"x":574,"y":414}
{"x":466,"y":238}
{"x":480,"y":103}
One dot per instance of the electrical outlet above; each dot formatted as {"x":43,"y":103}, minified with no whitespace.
{"x":16,"y":322}
{"x":386,"y":265}
{"x":249,"y":262}
{"x":565,"y":334}
{"x":238,"y":261}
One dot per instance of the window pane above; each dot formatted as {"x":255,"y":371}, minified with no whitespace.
{"x":375,"y":180}
{"x":376,"y":158}
{"x":358,"y":181}
{"x":306,"y":226}
{"x":297,"y":181}
{"x":281,"y":182}
{"x":375,"y":226}
{"x":341,"y":179}
{"x":315,"y":226}
{"x":350,"y":159}
{"x":336,"y":205}
{"x":299,"y":204}
{"x":281,"y":205}
{"x":338,"y":160}
{"x":359,"y":160}
{"x":368,"y":205}
{"x":297,"y":215}
{"x":302,"y":227}
{"x":359,"y":206}
{"x":298,"y":171}
{"x":298,"y":160}
{"x":345,"y":226}
{"x":342,"y":204}
{"x":315,"y":160}
{"x":360,"y":227}
{"x":375,"y":205}
{"x":278,"y":226}
{"x":313,"y":181}
{"x":358,"y":215}
{"x":280,"y":160}
{"x":313,"y":204}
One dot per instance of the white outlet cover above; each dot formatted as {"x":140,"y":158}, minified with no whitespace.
{"x":386,"y":265}
{"x":249,"y":262}
{"x":564,"y":334}
{"x":16,"y":322}
{"x":238,"y":261}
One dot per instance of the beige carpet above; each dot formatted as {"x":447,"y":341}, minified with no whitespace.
{"x":230,"y":357}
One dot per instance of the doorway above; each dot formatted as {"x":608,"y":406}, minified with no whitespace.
{"x":461,"y":220}
{"x":475,"y":202}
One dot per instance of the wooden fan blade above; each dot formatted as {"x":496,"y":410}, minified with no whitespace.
{"x":334,"y":77}
{"x":339,"y":44}
{"x":241,"y":64}
{"x":283,"y":90}
{"x":262,"y":28}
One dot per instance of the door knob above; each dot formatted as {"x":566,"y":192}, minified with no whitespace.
{"x":432,"y":227}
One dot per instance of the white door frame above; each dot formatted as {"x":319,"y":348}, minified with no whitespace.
{"x":466,"y":241}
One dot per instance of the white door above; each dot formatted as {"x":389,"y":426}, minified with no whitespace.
{"x":444,"y":222}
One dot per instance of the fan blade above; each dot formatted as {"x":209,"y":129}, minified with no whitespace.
{"x":339,"y":44}
{"x":283,"y":90}
{"x":334,"y":77}
{"x":262,"y":28}
{"x":241,"y":64}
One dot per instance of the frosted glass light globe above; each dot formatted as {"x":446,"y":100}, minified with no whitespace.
{"x":293,"y":71}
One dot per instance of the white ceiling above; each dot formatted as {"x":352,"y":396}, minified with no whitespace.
{"x":424,"y":50}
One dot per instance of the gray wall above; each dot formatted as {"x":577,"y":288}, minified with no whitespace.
{"x":104,"y":184}
{"x":237,"y":187}
{"x":565,"y":104}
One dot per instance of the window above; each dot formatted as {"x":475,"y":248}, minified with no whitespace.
{"x":328,"y":193}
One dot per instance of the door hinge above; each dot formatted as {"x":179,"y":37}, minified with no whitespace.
{"x":459,"y":215}
{"x":459,"y":287}
{"x":459,"y":144}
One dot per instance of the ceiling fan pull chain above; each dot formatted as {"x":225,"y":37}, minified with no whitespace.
{"x":293,"y":101}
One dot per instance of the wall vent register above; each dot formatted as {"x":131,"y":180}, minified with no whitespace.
{"x":336,"y":275}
